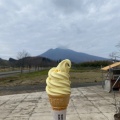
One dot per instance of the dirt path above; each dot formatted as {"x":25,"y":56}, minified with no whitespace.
{"x":35,"y":88}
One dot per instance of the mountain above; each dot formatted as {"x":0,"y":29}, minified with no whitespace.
{"x":77,"y":57}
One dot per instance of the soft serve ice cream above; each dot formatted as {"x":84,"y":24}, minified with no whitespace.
{"x":58,"y":82}
{"x":58,"y":89}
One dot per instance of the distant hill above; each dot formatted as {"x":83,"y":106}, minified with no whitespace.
{"x":12,"y":60}
{"x":3,"y":62}
{"x":32,"y":61}
{"x":36,"y":61}
{"x":77,"y":57}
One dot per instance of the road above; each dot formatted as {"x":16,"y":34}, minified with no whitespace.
{"x":10,"y":73}
{"x":38,"y":87}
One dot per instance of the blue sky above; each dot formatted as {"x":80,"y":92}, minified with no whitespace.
{"x":89,"y":26}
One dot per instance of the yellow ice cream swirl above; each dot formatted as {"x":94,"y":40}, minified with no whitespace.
{"x":58,"y":82}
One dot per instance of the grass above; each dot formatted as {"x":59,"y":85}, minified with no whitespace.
{"x":39,"y":77}
{"x":24,"y":79}
{"x":83,"y":77}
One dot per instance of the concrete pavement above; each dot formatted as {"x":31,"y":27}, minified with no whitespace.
{"x":86,"y":103}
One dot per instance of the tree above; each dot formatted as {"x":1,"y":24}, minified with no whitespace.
{"x":115,"y":55}
{"x":21,"y":56}
{"x":12,"y":63}
{"x":4,"y":63}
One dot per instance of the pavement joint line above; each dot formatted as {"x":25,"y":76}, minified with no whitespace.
{"x":15,"y":107}
{"x":83,"y":94}
{"x":98,"y":108}
{"x":74,"y":104}
{"x":107,"y":99}
{"x":105,"y":116}
{"x":34,"y":107}
{"x":93,"y":104}
{"x":76,"y":110}
{"x":4,"y":102}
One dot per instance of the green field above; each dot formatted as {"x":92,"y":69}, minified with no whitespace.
{"x":39,"y":77}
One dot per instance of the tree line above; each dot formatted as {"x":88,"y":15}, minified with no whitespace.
{"x":96,"y":64}
{"x":24,"y":60}
{"x":41,"y":62}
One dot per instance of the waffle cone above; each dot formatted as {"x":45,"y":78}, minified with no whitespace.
{"x":59,"y":102}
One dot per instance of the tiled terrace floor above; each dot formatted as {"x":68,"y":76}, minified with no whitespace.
{"x":86,"y":103}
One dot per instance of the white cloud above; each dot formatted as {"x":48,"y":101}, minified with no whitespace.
{"x":36,"y":26}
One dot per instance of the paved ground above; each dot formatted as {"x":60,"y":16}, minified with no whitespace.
{"x":86,"y":103}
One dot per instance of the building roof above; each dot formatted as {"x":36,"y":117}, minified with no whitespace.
{"x":111,"y":66}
